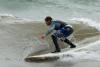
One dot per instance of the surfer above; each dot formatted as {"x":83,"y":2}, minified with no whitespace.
{"x":62,"y":31}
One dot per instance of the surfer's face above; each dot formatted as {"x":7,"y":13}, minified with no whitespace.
{"x":48,"y":23}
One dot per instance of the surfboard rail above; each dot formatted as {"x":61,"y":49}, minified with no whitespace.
{"x":42,"y":58}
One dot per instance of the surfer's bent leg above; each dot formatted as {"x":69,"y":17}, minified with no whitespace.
{"x":67,"y":31}
{"x":54,"y":38}
{"x":70,"y":43}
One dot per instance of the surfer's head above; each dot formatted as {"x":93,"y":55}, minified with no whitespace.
{"x":48,"y":20}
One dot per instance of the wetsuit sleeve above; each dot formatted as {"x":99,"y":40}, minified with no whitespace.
{"x":50,"y":30}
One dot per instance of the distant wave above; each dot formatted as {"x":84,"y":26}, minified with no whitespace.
{"x":59,"y":9}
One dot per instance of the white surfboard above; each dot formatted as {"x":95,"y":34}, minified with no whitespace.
{"x":47,"y":57}
{"x":43,"y":57}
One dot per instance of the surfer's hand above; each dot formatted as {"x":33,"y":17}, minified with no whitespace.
{"x":43,"y":36}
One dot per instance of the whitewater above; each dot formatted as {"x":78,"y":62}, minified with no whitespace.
{"x":20,"y":37}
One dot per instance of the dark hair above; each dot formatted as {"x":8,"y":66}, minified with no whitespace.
{"x":48,"y":18}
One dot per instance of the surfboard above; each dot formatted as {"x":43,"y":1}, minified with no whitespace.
{"x":46,"y":57}
{"x":43,"y":57}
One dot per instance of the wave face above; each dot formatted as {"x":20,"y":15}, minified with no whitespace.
{"x":20,"y":37}
{"x":60,"y":9}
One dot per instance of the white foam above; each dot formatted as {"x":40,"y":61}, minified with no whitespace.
{"x":89,"y":52}
{"x":87,"y":22}
{"x":8,"y":18}
{"x":9,"y":15}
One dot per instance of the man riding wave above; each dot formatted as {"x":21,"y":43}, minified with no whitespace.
{"x":63,"y":30}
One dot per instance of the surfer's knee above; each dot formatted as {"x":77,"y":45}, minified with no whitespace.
{"x":52,"y":36}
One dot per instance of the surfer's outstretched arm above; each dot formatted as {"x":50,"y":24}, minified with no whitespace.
{"x":50,"y":30}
